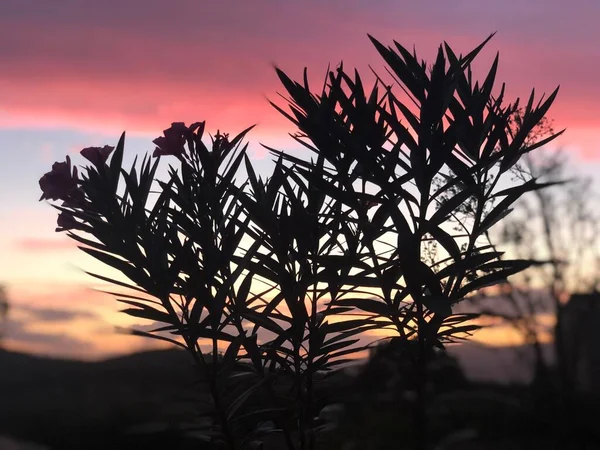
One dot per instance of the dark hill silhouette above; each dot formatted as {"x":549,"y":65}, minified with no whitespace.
{"x":74,"y":404}
{"x":108,"y":404}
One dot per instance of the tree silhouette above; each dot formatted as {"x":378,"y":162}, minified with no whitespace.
{"x":4,"y":306}
{"x":559,"y":225}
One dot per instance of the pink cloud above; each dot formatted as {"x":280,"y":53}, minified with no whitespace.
{"x":44,"y":245}
{"x":585,"y":142}
{"x":148,"y":66}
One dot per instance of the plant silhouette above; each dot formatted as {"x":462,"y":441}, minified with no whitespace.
{"x":270,"y":284}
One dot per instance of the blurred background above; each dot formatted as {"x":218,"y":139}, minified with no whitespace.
{"x":77,"y":73}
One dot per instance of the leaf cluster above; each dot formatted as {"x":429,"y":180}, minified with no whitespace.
{"x":273,"y":283}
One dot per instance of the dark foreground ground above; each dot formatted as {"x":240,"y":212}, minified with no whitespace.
{"x":144,"y":400}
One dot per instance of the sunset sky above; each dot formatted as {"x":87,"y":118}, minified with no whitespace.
{"x":76,"y":73}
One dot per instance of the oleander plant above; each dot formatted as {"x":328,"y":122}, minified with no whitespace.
{"x":375,"y":232}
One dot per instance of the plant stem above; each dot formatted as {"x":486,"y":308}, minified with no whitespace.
{"x":421,"y":406}
{"x":420,"y":413}
{"x":211,"y":378}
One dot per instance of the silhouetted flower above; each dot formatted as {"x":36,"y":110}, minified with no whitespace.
{"x":66,"y":221}
{"x":75,"y":199}
{"x":220,"y":142}
{"x":60,"y":183}
{"x":97,"y":155}
{"x":197,"y":127}
{"x":173,"y":141}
